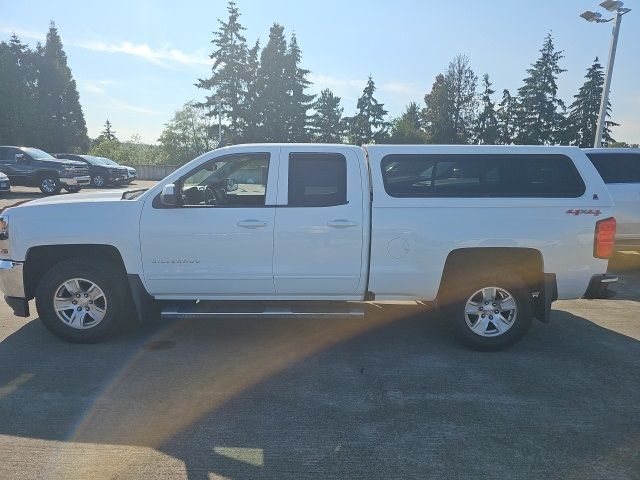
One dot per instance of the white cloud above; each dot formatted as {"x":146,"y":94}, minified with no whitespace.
{"x":163,"y":57}
{"x":401,"y":88}
{"x":121,"y":105}
{"x":22,"y":33}
{"x":97,"y":87}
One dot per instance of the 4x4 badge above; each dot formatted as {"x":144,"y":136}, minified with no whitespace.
{"x":579,"y":211}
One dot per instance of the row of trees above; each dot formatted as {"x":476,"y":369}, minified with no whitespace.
{"x":262,"y":95}
{"x":39,"y":101}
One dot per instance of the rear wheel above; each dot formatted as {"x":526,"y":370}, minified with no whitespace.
{"x":490,"y":313}
{"x":50,"y":184}
{"x":82,"y":300}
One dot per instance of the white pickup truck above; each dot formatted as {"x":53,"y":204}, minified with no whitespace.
{"x":491,"y":235}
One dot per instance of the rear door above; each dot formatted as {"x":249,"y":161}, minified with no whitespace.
{"x":318,"y":237}
{"x":621,"y":173}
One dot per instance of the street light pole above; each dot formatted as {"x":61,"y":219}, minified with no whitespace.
{"x":614,"y":6}
{"x":219,"y":121}
{"x":604,"y":101}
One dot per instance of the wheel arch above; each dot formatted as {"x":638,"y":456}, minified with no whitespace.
{"x":461,"y":264}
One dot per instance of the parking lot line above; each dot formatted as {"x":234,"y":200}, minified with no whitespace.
{"x":14,"y":384}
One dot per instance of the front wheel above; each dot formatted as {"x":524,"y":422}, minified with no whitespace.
{"x":50,"y":185}
{"x":98,"y":181}
{"x":490,"y":314}
{"x":82,"y":300}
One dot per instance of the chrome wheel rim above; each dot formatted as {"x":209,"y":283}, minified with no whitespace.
{"x":48,"y":185}
{"x":491,"y":311}
{"x":80,"y":303}
{"x":98,"y":181}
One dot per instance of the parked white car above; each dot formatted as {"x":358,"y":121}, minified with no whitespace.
{"x":491,"y":235}
{"x":5,"y":183}
{"x":620,"y":170}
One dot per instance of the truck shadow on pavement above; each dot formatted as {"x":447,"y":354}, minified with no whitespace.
{"x":389,"y":396}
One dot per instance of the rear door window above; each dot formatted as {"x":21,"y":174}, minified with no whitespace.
{"x":317,"y":179}
{"x":617,"y":167}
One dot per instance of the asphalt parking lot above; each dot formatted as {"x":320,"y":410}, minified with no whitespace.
{"x":388,"y":396}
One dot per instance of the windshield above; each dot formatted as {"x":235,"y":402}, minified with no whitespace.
{"x":37,"y":154}
{"x":108,"y":161}
{"x":94,"y":160}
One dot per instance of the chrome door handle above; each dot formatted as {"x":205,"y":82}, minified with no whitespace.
{"x":341,"y":224}
{"x":252,"y":224}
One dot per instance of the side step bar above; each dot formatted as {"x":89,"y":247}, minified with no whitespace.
{"x":211,"y":309}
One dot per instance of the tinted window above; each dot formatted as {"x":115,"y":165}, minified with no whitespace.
{"x":6,"y":154}
{"x":317,"y":179}
{"x":481,"y":176}
{"x":37,"y":153}
{"x":617,"y":167}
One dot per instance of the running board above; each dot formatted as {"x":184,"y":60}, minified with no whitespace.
{"x":212,"y":309}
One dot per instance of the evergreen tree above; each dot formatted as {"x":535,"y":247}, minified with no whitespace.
{"x":272,"y":89}
{"x":250,"y":115}
{"x":299,"y":102}
{"x":326,"y":125}
{"x":368,"y":124}
{"x":229,"y":72}
{"x":437,"y":120}
{"x":540,"y":111}
{"x":407,"y":128}
{"x":583,"y":112}
{"x":18,"y":79}
{"x":486,"y":129}
{"x":62,"y":126}
{"x":460,"y":81}
{"x":107,"y":133}
{"x":506,"y":118}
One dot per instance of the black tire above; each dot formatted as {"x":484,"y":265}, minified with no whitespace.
{"x":107,"y":277}
{"x":49,"y":184}
{"x":98,"y":181}
{"x":455,"y":301}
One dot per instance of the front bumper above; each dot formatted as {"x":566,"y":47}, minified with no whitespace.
{"x":12,"y":285}
{"x":76,"y":181}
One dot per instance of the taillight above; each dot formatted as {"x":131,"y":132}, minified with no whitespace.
{"x":605,"y":238}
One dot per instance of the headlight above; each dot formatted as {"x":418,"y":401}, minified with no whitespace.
{"x":4,"y":234}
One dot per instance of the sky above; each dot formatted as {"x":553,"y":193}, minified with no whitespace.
{"x":136,"y":61}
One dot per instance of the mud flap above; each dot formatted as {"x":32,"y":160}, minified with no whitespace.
{"x":547,"y":295}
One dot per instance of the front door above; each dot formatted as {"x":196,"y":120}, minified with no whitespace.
{"x":319,"y":223}
{"x":218,"y":242}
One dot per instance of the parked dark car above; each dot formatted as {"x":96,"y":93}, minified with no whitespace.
{"x":31,"y":167}
{"x":5,"y":183}
{"x":101,"y":170}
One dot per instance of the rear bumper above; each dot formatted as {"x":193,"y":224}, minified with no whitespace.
{"x":12,"y":285}
{"x":76,"y":181}
{"x":599,"y":284}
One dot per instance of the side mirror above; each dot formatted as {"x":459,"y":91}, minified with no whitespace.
{"x":168,"y":197}
{"x":20,"y":158}
{"x":232,"y":185}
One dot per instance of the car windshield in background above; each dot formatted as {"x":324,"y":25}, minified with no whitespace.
{"x":95,"y":160}
{"x":37,"y":154}
{"x":108,"y":161}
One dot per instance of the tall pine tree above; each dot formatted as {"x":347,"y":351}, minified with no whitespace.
{"x":460,"y":81}
{"x":437,"y":120}
{"x":540,"y":110}
{"x":585,"y":109}
{"x":272,"y":89}
{"x":62,"y":124}
{"x":486,"y":128}
{"x":506,"y":118}
{"x":368,"y":125}
{"x":299,"y":102}
{"x":326,"y":125}
{"x":229,"y":73}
